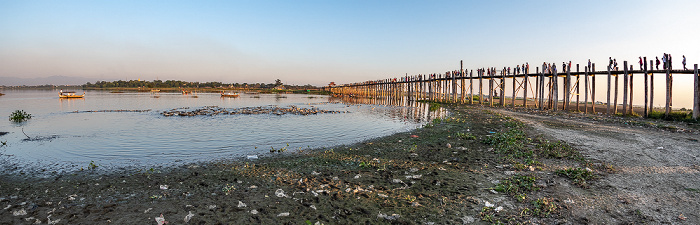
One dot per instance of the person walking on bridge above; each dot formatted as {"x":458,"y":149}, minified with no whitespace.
{"x":684,"y":68}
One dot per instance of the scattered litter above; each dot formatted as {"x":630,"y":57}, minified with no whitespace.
{"x":468,"y":219}
{"x":659,"y":148}
{"x":491,"y":132}
{"x":163,"y":187}
{"x":392,"y":217}
{"x":509,"y":173}
{"x":383,"y":195}
{"x":283,"y":214}
{"x":335,"y":178}
{"x":348,"y":190}
{"x":413,"y":155}
{"x":188,"y":217}
{"x":147,"y":210}
{"x":357,"y":176}
{"x":211,"y":207}
{"x":252,"y":156}
{"x":589,"y":169}
{"x":414,"y":136}
{"x":280,"y":193}
{"x":569,"y":201}
{"x":253,"y":187}
{"x":413,"y":170}
{"x":493,"y":191}
{"x":253,"y":211}
{"x":488,"y":204}
{"x":313,"y":207}
{"x":8,"y":206}
{"x":682,"y":217}
{"x":315,"y":194}
{"x":72,"y":197}
{"x":498,"y":209}
{"x":443,"y":169}
{"x":20,"y":212}
{"x":413,"y":177}
{"x":315,"y":173}
{"x":161,"y":220}
{"x":396,"y":181}
{"x":449,"y":145}
{"x":241,"y":204}
{"x":29,"y":218}
{"x":49,"y":221}
{"x":415,"y":204}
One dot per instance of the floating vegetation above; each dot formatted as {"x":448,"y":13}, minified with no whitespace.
{"x":215,"y":110}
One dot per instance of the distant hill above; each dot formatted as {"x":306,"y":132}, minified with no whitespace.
{"x":52,"y":80}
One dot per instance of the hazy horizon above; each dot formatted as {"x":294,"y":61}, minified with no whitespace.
{"x":317,"y":42}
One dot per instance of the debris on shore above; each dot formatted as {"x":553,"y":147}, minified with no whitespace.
{"x":215,"y":110}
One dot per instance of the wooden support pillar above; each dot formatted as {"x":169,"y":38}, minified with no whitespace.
{"x":491,"y":76}
{"x":513,"y":96}
{"x":669,"y":88}
{"x":646,"y":89}
{"x":585,"y":90}
{"x":502,"y":87}
{"x":651,"y":91}
{"x":631,"y":107}
{"x":481,"y":86}
{"x":593,"y":88}
{"x":567,"y":82}
{"x":624,"y":89}
{"x":542,"y":106}
{"x":696,"y":94}
{"x":555,"y":89}
{"x":609,"y":87}
{"x":471,"y":86}
{"x":578,"y":85}
{"x":525,"y":80}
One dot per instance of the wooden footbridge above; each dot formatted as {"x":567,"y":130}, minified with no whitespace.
{"x":458,"y":87}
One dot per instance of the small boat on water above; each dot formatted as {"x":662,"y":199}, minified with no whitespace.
{"x":69,"y":94}
{"x":233,"y":95}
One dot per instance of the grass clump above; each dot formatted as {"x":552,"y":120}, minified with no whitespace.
{"x":20,"y":116}
{"x":558,"y":150}
{"x":511,"y":142}
{"x":673,"y":116}
{"x":517,"y":185}
{"x":578,"y":175}
{"x":543,"y":207}
{"x":466,"y":136}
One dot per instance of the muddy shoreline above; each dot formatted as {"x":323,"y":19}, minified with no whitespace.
{"x":456,"y":170}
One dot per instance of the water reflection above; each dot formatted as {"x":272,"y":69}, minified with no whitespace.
{"x":405,"y":110}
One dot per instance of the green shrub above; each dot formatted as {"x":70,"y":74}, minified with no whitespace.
{"x":20,"y":116}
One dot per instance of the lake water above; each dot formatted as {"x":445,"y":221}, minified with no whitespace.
{"x":64,"y":140}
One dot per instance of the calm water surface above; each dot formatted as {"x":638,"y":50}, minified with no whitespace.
{"x":66,"y":140}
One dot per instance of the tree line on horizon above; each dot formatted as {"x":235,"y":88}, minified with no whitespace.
{"x":186,"y":84}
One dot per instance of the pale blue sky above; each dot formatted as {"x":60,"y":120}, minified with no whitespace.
{"x":315,"y":42}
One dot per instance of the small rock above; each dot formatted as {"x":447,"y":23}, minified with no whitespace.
{"x":449,"y":145}
{"x":211,"y":207}
{"x":253,"y":211}
{"x":241,"y":204}
{"x":283,"y":214}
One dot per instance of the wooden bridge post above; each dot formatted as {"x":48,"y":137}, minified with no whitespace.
{"x":646,"y":89}
{"x":542,"y":106}
{"x":609,"y":87}
{"x":578,"y":85}
{"x":631,"y":107}
{"x":567,"y":83}
{"x":651,"y":89}
{"x":555,"y":88}
{"x":585,"y":90}
{"x":669,"y":86}
{"x":513,"y":96}
{"x":624,"y":89}
{"x":593,"y":88}
{"x":491,"y":76}
{"x":525,"y":81}
{"x":471,"y":86}
{"x":696,"y":99}
{"x":502,"y":86}
{"x":481,"y":86}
